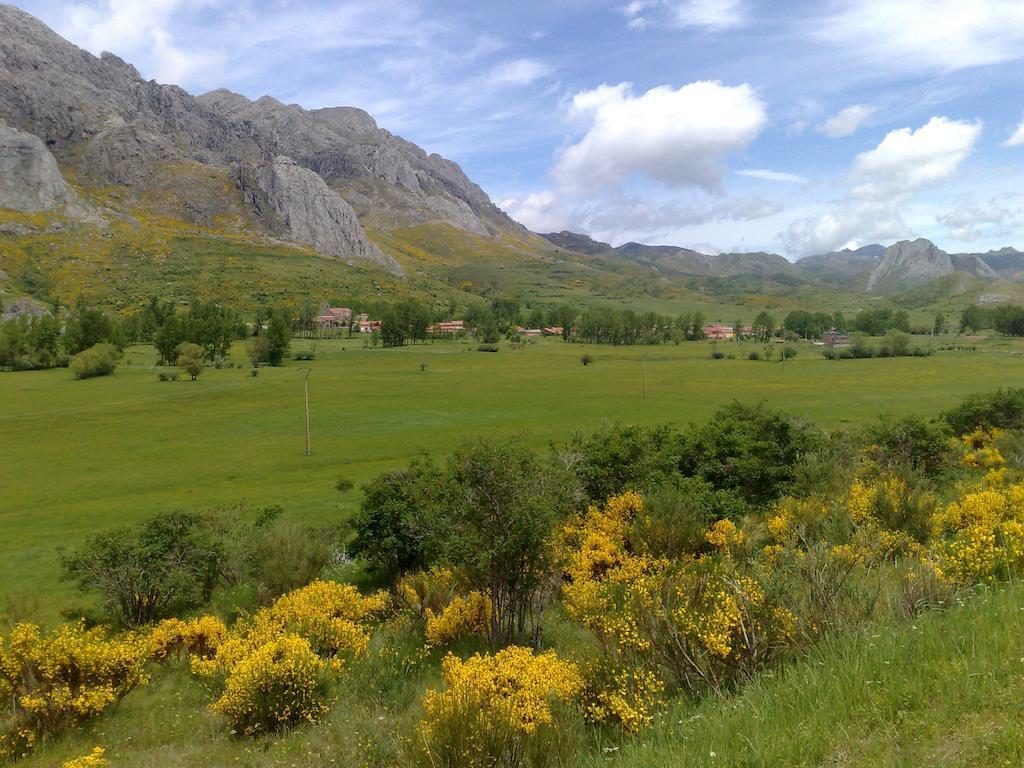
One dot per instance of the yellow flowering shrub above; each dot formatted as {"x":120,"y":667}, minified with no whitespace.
{"x":462,"y":617}
{"x":174,"y":638}
{"x":94,"y":759}
{"x":498,"y":709}
{"x":626,"y":696}
{"x":424,"y":591}
{"x":65,"y":677}
{"x":725,"y":536}
{"x":980,"y":536}
{"x":279,"y":685}
{"x":979,"y":450}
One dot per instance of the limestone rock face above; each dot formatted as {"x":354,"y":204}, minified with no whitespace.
{"x":908,"y":264}
{"x":30,"y":180}
{"x":298,"y":203}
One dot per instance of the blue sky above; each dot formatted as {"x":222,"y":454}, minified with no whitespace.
{"x":795,"y":127}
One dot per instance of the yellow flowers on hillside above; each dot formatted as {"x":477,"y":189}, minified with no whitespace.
{"x":463,"y":616}
{"x":279,"y":685}
{"x":63,"y":678}
{"x":94,"y":759}
{"x":725,"y":536}
{"x":495,"y":708}
{"x":198,"y":638}
{"x":980,"y":536}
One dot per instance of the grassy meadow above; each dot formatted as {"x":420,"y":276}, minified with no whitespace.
{"x":80,"y":456}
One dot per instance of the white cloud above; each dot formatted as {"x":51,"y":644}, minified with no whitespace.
{"x":767,"y":175}
{"x":141,"y":30}
{"x":969,"y":221}
{"x":714,"y":15}
{"x":935,"y":35}
{"x":680,"y":137}
{"x":1016,"y":138}
{"x":886,"y":178}
{"x":539,"y":211}
{"x":846,"y":121}
{"x":519,"y":72}
{"x":907,"y":160}
{"x":709,"y":15}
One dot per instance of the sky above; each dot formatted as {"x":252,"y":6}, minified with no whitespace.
{"x":720,"y":125}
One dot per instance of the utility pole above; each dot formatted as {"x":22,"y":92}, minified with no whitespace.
{"x":305,"y":384}
{"x":645,"y":375}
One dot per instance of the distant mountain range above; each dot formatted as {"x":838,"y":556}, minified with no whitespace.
{"x":874,"y":268}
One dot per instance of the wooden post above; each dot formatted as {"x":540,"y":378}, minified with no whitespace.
{"x":305,"y":384}
{"x":645,"y":375}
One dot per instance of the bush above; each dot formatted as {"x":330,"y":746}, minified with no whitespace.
{"x":487,"y":348}
{"x":620,"y":458}
{"x":505,"y":710}
{"x":716,"y":355}
{"x":1002,"y":409}
{"x":56,"y":681}
{"x":304,"y":355}
{"x":280,"y":685}
{"x":176,"y":638}
{"x":94,"y":759}
{"x":167,"y":376}
{"x":190,"y":357}
{"x":755,"y":355}
{"x":910,"y":445}
{"x":169,"y":563}
{"x":675,"y":518}
{"x":98,"y":360}
{"x":788,"y":353}
{"x":586,"y":360}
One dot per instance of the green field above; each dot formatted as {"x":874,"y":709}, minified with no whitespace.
{"x":79,"y":456}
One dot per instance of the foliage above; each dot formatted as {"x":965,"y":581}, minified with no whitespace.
{"x":622,"y":457}
{"x":500,"y":710}
{"x":912,"y":445}
{"x":98,"y":360}
{"x":748,"y":449}
{"x":63,"y":678}
{"x":279,"y":685}
{"x":206,"y":324}
{"x":469,"y":615}
{"x":190,"y":358}
{"x":1001,"y":409}
{"x":94,"y":759}
{"x":494,"y":522}
{"x":168,"y":563}
{"x":388,"y":526}
{"x":174,"y":638}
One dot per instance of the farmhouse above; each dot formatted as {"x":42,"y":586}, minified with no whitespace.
{"x":453,"y":327}
{"x":365,"y":325}
{"x":719,"y":332}
{"x":835,"y":338}
{"x":333,"y":317}
{"x":555,"y":330}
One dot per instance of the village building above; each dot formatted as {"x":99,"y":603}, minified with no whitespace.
{"x":452,"y":327}
{"x":835,"y":338}
{"x":555,"y":330}
{"x":333,"y":317}
{"x":719,"y":332}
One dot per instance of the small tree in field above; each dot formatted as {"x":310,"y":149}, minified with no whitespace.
{"x":495,"y":521}
{"x":190,"y":359}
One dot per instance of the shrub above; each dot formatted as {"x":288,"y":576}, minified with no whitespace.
{"x":716,"y":355}
{"x":675,"y":517}
{"x":619,"y":458}
{"x":463,"y":616}
{"x":1002,"y":409}
{"x":344,"y":485}
{"x":61,"y":679}
{"x":304,"y":355}
{"x":508,"y":709}
{"x":586,"y":360}
{"x":278,"y":686}
{"x":98,"y":360}
{"x":94,"y":759}
{"x":487,"y":348}
{"x":190,"y":358}
{"x":167,"y":375}
{"x":169,"y":563}
{"x":426,"y":592}
{"x":755,"y":355}
{"x":176,"y":638}
{"x":788,"y":353}
{"x":911,"y":445}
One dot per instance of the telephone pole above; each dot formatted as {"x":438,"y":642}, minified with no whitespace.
{"x":305,"y":384}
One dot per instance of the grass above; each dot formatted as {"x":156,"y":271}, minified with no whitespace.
{"x":81,"y":456}
{"x":942,"y":690}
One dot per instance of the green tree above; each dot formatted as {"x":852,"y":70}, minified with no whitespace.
{"x":763,"y":326}
{"x":190,"y":359}
{"x":97,"y":360}
{"x":278,"y":336}
{"x":168,"y":564}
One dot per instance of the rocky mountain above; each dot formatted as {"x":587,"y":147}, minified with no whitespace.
{"x":1007,"y":262}
{"x":909,"y":264}
{"x":572,"y":241}
{"x":842,"y":265}
{"x":132,"y":147}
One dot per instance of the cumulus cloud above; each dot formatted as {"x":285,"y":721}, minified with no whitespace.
{"x":885,"y":179}
{"x":141,"y":30}
{"x":1017,"y":137}
{"x":936,"y":35}
{"x":768,"y":175}
{"x":846,"y":121}
{"x":518,"y":72}
{"x":969,"y":221}
{"x":709,"y":15}
{"x":539,"y":211}
{"x":907,"y":160}
{"x":680,"y":137}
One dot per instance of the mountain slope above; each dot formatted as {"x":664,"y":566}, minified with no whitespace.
{"x":909,"y":264}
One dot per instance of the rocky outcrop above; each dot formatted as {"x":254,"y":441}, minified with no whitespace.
{"x":24,"y":307}
{"x":30,"y":181}
{"x":844,"y":264}
{"x":297,"y":203}
{"x":909,"y":264}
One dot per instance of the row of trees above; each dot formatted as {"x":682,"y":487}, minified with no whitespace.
{"x":1007,"y":319}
